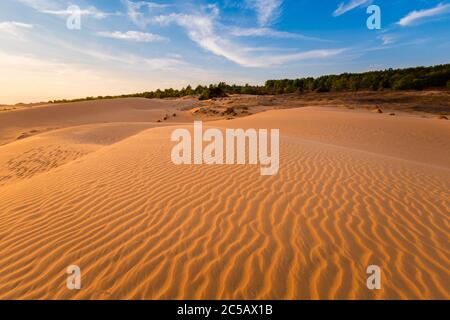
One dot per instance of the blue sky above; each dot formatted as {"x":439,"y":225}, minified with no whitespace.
{"x":127,"y":46}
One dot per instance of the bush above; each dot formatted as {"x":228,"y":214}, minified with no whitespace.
{"x":205,"y":95}
{"x":213,"y":92}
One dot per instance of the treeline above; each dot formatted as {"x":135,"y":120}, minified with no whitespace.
{"x":418,"y":78}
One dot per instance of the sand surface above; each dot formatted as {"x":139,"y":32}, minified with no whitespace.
{"x":26,"y":122}
{"x":354,"y":189}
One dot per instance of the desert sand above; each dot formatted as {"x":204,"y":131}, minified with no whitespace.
{"x":92,"y":184}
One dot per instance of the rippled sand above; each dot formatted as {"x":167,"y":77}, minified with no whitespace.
{"x":354,"y":189}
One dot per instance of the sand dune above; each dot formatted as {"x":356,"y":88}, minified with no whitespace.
{"x":44,"y":152}
{"x":354,"y":189}
{"x":30,"y":121}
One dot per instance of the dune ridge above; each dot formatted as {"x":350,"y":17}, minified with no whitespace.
{"x":140,"y":227}
{"x":29,"y":121}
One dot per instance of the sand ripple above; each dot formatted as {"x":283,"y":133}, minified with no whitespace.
{"x":140,"y":227}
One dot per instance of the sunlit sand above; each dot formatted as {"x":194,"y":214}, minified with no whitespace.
{"x":93,"y":184}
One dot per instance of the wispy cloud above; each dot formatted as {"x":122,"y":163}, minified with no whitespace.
{"x":417,"y":16}
{"x":299,"y":56}
{"x":50,"y":47}
{"x":270,"y":33}
{"x":387,"y":39}
{"x":345,"y":7}
{"x":60,"y":8}
{"x":135,"y":36}
{"x":201,"y":29}
{"x":137,"y":11}
{"x":41,"y":5}
{"x":90,"y":11}
{"x":267,"y":10}
{"x":14,"y":27}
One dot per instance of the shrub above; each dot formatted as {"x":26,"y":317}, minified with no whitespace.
{"x":213,"y":92}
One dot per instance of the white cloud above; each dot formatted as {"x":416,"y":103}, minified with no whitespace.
{"x":135,"y":36}
{"x":60,"y":8}
{"x":387,"y":39}
{"x":201,"y":30}
{"x":345,"y":7}
{"x":418,"y":15}
{"x":135,"y":13}
{"x":299,"y":56}
{"x":14,"y":28}
{"x":267,"y":10}
{"x":90,"y":11}
{"x":270,"y":33}
{"x":41,"y":5}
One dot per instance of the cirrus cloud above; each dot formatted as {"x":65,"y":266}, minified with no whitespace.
{"x":270,"y":33}
{"x":345,"y":7}
{"x":201,"y":29}
{"x":14,"y":28}
{"x":13,"y":25}
{"x":267,"y":10}
{"x":417,"y":16}
{"x":135,"y":36}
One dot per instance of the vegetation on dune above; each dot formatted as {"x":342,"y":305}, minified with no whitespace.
{"x":418,"y":78}
{"x":400,"y":79}
{"x":212,"y":91}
